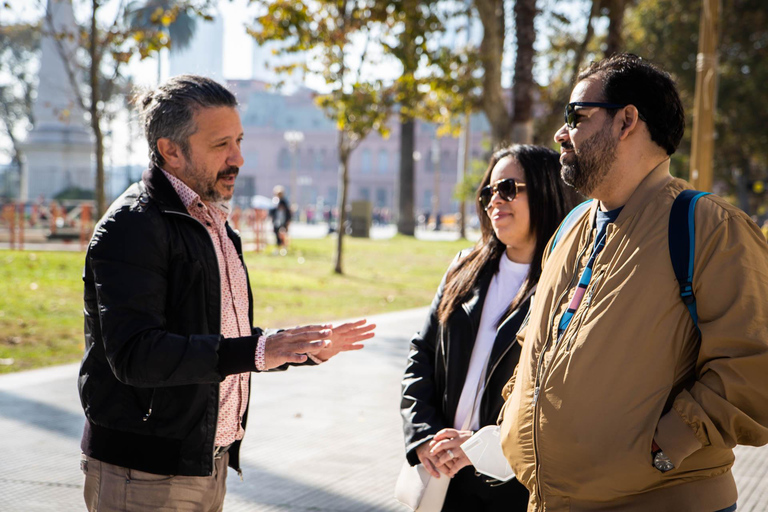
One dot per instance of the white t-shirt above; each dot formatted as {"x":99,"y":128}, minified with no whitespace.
{"x":505,"y":285}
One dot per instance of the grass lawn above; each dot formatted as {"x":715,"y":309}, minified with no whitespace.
{"x":41,"y":319}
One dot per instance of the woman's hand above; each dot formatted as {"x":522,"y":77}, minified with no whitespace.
{"x":446,"y":448}
{"x":429,"y":461}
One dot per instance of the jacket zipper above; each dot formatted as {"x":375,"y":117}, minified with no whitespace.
{"x":503,"y":354}
{"x":149,"y":409}
{"x":585,"y":310}
{"x":216,"y":424}
{"x":540,"y":373}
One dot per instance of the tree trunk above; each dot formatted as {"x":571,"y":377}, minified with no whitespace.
{"x":588,"y":33}
{"x":522,"y":91}
{"x":342,"y":201}
{"x":462,"y":174}
{"x":615,"y":42}
{"x":406,"y":221}
{"x":101,"y":206}
{"x":491,"y":14}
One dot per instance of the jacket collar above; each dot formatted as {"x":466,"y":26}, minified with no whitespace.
{"x":651,"y":185}
{"x":160,"y":189}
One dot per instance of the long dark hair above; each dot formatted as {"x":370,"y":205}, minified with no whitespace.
{"x":549,"y":200}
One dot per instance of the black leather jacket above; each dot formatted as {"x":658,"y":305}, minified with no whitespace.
{"x":154,"y":355}
{"x":438,"y":362}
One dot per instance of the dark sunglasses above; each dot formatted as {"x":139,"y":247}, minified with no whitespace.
{"x":507,"y":190}
{"x":570,"y":110}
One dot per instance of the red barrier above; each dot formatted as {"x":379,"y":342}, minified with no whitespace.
{"x":20,"y":206}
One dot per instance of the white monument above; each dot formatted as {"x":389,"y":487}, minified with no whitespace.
{"x":60,"y":148}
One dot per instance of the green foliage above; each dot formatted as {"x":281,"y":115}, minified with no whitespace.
{"x":18,"y":47}
{"x":456,"y":87}
{"x":467,"y":189}
{"x":330,"y":29}
{"x":367,"y":107}
{"x":666,"y":32}
{"x":407,"y":29}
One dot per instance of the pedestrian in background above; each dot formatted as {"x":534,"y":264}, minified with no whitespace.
{"x":624,"y":398}
{"x":281,"y":219}
{"x":466,"y":351}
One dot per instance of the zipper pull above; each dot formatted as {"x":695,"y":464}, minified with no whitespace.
{"x":146,"y":416}
{"x":535,"y":395}
{"x":240,"y":472}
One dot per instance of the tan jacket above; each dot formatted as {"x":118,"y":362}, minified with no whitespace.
{"x":630,"y":367}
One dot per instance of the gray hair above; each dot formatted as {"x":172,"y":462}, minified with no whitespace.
{"x":168,"y":111}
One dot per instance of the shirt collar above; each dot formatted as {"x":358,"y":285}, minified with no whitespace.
{"x":191,"y":199}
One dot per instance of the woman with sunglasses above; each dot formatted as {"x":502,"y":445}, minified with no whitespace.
{"x":467,"y":350}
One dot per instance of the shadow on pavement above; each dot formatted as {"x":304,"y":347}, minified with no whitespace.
{"x":268,"y":489}
{"x":41,"y":415}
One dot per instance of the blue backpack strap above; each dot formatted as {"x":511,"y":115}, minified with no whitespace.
{"x":570,"y":219}
{"x":682,"y":245}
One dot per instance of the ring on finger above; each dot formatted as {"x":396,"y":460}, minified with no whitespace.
{"x":450,"y":454}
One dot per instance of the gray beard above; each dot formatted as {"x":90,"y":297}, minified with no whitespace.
{"x":591,"y":163}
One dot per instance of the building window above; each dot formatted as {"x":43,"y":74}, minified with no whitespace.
{"x":319,"y":160}
{"x":429,"y":165}
{"x":332,"y":196}
{"x":366,"y":161}
{"x":381,"y":197}
{"x":446,"y":163}
{"x":383,"y":161}
{"x":365,"y":193}
{"x":296,"y":160}
{"x":426,"y":203}
{"x":309,"y":161}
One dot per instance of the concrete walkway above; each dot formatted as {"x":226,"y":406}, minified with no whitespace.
{"x":320,"y":439}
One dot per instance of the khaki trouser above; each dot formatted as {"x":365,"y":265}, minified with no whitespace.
{"x":110,"y":488}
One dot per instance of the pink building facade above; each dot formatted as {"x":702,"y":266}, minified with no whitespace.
{"x":312,"y":165}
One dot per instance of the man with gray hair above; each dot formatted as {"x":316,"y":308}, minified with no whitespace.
{"x":169,"y":336}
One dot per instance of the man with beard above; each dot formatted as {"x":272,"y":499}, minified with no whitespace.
{"x":169,"y":338}
{"x":621,"y":401}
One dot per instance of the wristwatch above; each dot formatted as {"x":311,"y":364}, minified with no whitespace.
{"x":661,"y":461}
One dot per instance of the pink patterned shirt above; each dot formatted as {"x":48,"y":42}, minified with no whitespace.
{"x":233,"y":390}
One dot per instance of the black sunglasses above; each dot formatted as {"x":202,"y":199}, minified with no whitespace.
{"x":507,"y":190}
{"x":570,"y":110}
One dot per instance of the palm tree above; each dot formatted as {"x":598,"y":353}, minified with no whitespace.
{"x":147,"y":15}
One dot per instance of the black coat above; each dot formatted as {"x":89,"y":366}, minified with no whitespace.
{"x":438,"y":362}
{"x":154,"y":355}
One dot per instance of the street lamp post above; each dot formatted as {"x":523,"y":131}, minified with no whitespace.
{"x":703,"y":137}
{"x":293,"y":138}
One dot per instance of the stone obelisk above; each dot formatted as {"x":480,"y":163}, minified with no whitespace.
{"x":60,"y":148}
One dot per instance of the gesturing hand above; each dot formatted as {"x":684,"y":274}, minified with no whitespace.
{"x":293,"y":345}
{"x":346,"y":337}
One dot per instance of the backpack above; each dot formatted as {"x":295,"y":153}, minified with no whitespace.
{"x":682,"y":242}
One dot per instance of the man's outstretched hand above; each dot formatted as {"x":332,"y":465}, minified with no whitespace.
{"x":346,"y":337}
{"x":293,"y":345}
